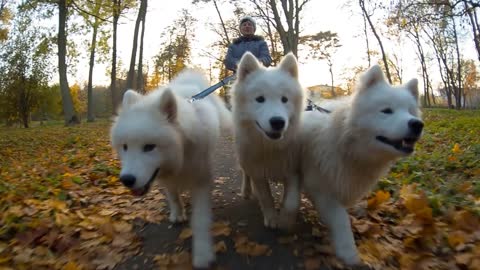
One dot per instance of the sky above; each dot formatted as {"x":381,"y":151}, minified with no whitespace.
{"x":318,"y":16}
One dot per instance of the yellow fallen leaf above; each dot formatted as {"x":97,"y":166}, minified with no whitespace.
{"x":122,"y":226}
{"x":243,"y":246}
{"x":465,"y":220}
{"x":416,"y":203}
{"x":57,"y":205}
{"x":456,"y":148}
{"x":62,"y":219}
{"x":220,"y":247}
{"x":379,"y":198}
{"x":71,"y":266}
{"x":456,"y":238}
{"x":221,"y":228}
{"x":185,"y":234}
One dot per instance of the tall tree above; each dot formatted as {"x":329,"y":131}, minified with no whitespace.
{"x":323,"y":47}
{"x":285,"y":18}
{"x":69,"y":114}
{"x":140,"y":79}
{"x":25,"y":70}
{"x":5,"y":17}
{"x":95,"y":15}
{"x":471,"y":11}
{"x":368,"y":16}
{"x":131,"y":71}
{"x":118,"y":8}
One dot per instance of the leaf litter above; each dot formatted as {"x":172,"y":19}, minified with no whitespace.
{"x":64,"y":208}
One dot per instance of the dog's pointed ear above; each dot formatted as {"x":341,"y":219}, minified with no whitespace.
{"x":168,"y":105}
{"x":290,"y":65}
{"x":371,"y":77}
{"x":412,"y":86}
{"x":129,"y":98}
{"x":248,"y":64}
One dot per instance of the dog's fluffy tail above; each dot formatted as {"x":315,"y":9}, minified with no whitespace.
{"x":189,"y":82}
{"x":225,"y":116}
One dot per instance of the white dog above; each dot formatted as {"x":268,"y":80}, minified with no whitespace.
{"x":164,"y":136}
{"x":345,"y":153}
{"x":266,"y":106}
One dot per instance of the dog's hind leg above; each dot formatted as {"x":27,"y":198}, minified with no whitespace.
{"x":201,"y":221}
{"x":291,"y":202}
{"x":336,"y":218}
{"x":264,"y":195}
{"x":177,"y":210}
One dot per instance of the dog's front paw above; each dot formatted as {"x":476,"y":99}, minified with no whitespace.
{"x":177,"y":217}
{"x":203,"y":258}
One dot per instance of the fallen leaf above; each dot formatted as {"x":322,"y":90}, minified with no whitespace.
{"x":312,"y":263}
{"x":220,"y":247}
{"x":185,"y":234}
{"x":379,"y":198}
{"x":456,"y":238}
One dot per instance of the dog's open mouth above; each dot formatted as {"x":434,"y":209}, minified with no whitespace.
{"x":143,"y":190}
{"x":272,"y":135}
{"x":405,"y":145}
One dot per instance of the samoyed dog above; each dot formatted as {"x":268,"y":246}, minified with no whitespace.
{"x":164,"y":136}
{"x":345,"y":153}
{"x":266,"y":109}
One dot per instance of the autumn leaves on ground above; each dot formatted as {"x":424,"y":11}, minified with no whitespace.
{"x":62,"y":206}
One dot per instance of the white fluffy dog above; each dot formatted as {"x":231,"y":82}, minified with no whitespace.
{"x":266,"y":106}
{"x":345,"y":153}
{"x":164,"y":136}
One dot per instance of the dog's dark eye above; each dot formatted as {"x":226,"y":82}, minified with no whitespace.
{"x":260,"y":99}
{"x":284,"y":99}
{"x":125,"y":147}
{"x":387,"y":111}
{"x":148,"y":147}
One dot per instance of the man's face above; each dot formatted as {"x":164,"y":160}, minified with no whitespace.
{"x":247,"y":28}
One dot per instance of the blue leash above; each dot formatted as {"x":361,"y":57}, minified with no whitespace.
{"x":310,"y":106}
{"x":212,"y":88}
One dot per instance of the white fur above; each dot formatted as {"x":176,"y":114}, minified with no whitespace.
{"x":342,"y":159}
{"x":260,"y":97}
{"x":162,"y":131}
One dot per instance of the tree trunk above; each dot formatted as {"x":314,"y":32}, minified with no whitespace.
{"x":330,"y":65}
{"x":69,"y":113}
{"x":227,"y":39}
{"x":113,"y":74}
{"x":459,"y":90}
{"x":366,"y":40}
{"x":472,"y":15}
{"x":140,"y":79}
{"x":372,"y":27}
{"x":90,"y":112}
{"x":131,"y":70}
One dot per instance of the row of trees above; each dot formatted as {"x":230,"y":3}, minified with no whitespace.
{"x":33,"y":54}
{"x":436,"y":29}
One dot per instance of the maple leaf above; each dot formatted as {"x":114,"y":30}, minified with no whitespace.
{"x":379,"y":198}
{"x":246,"y":247}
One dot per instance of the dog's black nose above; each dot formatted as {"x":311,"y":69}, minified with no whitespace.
{"x":128,"y":180}
{"x":416,"y":126}
{"x":277,"y":123}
